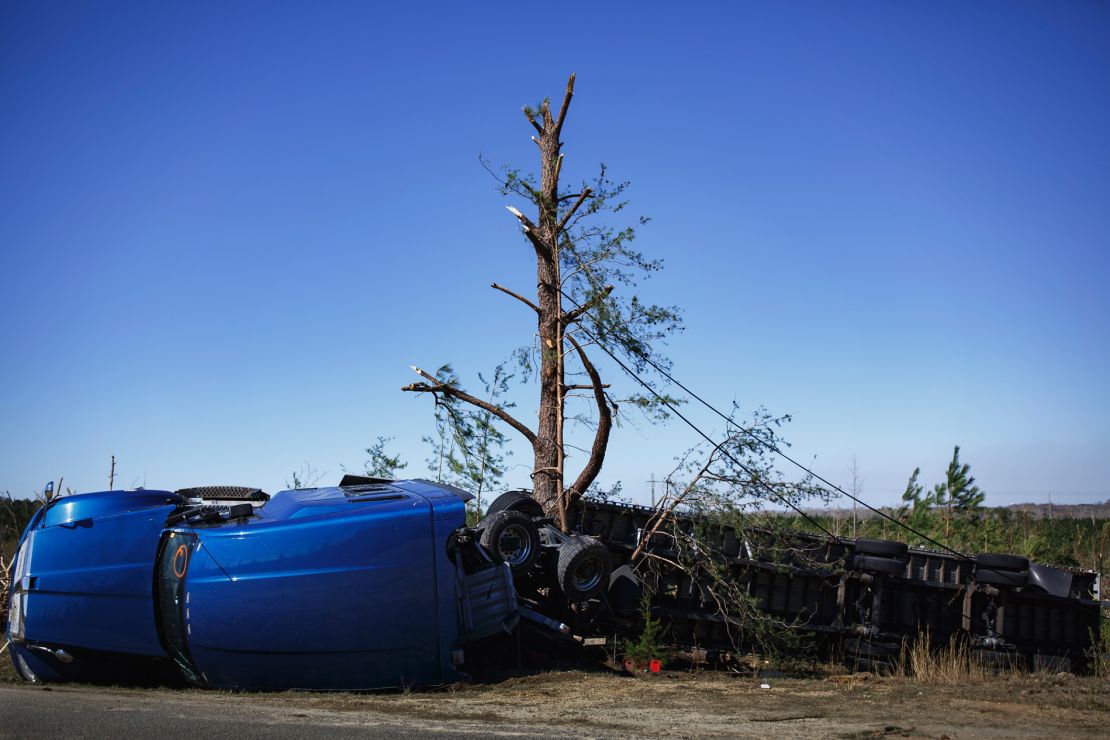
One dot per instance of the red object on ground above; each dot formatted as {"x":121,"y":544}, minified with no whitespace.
{"x":655,"y":665}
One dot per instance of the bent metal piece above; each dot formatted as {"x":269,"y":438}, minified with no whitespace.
{"x":1052,"y":580}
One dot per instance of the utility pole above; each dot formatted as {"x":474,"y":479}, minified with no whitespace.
{"x":652,"y":481}
{"x":112,"y":474}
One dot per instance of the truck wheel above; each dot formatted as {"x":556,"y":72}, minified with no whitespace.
{"x":872,"y":564}
{"x":511,"y":537}
{"x":1001,"y":562}
{"x":583,"y":567}
{"x":515,"y":501}
{"x":881,"y":547}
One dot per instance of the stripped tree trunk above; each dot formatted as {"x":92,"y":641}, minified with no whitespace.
{"x":544,"y":234}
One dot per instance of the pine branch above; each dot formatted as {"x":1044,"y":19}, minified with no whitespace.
{"x":532,"y":120}
{"x":436,"y":386}
{"x":576,"y":313}
{"x":666,"y":512}
{"x":567,"y":216}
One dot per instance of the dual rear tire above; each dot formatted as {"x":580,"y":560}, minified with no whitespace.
{"x":885,"y":557}
{"x":510,"y":535}
{"x":995,"y":569}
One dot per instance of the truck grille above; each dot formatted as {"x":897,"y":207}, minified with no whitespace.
{"x":17,"y":610}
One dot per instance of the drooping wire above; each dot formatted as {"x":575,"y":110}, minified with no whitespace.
{"x":748,"y":432}
{"x":755,"y":478}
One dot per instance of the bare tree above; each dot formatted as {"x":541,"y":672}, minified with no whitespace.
{"x":579,"y":263}
{"x":306,"y":476}
{"x":857,"y":491}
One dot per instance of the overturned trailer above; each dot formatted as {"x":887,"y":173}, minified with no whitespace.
{"x":863,"y":599}
{"x":375,"y":584}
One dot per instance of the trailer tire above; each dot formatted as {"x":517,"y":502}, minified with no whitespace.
{"x":996,"y":561}
{"x":583,"y":567}
{"x":1000,"y":577}
{"x":511,"y":537}
{"x":887,"y":548}
{"x":873,"y":564}
{"x":515,"y":501}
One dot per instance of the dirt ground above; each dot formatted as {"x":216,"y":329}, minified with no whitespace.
{"x":676,"y":704}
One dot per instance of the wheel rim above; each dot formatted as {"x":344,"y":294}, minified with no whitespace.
{"x":514,"y":544}
{"x":587,"y":575}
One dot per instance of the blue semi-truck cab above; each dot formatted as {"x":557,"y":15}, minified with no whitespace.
{"x":359,"y":586}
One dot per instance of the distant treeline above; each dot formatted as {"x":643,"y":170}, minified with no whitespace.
{"x":14,"y":515}
{"x":1048,"y":511}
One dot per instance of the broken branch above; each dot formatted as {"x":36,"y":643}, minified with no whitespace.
{"x":524,"y":220}
{"x":518,"y":296}
{"x":438,"y":387}
{"x":664,"y":513}
{"x":566,"y":217}
{"x":530,"y":232}
{"x":576,"y":313}
{"x":531,"y":119}
{"x":565,"y":106}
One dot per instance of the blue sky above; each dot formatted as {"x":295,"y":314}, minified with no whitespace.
{"x":226,"y":230}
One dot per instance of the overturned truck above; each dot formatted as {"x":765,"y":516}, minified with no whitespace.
{"x":860,"y":599}
{"x":375,"y":584}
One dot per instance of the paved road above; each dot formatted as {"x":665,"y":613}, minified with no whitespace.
{"x":34,"y":711}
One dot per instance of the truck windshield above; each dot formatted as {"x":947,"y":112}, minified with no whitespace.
{"x":172,"y":599}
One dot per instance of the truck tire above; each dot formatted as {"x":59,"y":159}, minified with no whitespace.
{"x":996,"y":561}
{"x":583,"y":567}
{"x":515,"y":501}
{"x":874,"y":564}
{"x":511,"y":537}
{"x":887,"y":548}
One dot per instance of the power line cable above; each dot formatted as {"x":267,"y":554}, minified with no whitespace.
{"x":768,"y":445}
{"x":772,"y":447}
{"x":754,"y":476}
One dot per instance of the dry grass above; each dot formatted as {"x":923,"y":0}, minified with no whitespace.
{"x":954,"y":664}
